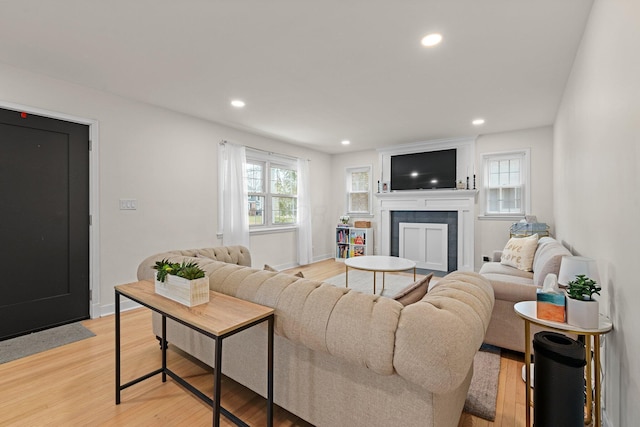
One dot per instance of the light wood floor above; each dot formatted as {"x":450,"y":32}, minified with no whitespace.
{"x":74,"y":385}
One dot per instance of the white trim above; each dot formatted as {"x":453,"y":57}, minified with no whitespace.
{"x":125,"y":305}
{"x":500,"y":217}
{"x":94,"y":201}
{"x":266,"y":230}
{"x":268,"y":156}
{"x":273,"y":229}
{"x":526,"y":185}
{"x":462,"y":201}
{"x":347,"y":171}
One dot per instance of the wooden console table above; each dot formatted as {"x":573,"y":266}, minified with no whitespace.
{"x":222,"y":317}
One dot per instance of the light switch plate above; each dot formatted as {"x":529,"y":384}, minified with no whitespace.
{"x":128,"y":204}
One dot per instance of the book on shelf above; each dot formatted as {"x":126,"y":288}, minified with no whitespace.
{"x":342,"y":236}
{"x":357,"y":251}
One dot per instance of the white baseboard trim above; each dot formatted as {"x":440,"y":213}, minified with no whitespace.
{"x":287,"y":266}
{"x":126,"y":305}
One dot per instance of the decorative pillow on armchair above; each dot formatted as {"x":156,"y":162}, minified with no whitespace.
{"x":414,"y":292}
{"x":519,"y":252}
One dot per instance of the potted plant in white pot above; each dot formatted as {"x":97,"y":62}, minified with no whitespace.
{"x":582,"y":308}
{"x":182,"y":282}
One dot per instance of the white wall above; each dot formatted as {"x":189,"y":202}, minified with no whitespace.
{"x":168,"y":162}
{"x":338,"y":205}
{"x":597,"y":185}
{"x":492,"y":235}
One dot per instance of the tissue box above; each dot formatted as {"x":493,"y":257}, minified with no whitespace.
{"x":550,"y":306}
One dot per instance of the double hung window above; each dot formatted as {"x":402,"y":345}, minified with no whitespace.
{"x":272,"y":186}
{"x":359,"y":190}
{"x":506,"y":180}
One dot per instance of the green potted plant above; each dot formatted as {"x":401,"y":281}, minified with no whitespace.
{"x":582,"y":308}
{"x":182,"y":282}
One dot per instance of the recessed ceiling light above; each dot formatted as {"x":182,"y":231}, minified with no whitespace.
{"x":431,"y":39}
{"x":478,"y":122}
{"x":346,"y":142}
{"x":237,"y":103}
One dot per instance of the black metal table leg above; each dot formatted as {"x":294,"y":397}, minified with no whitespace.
{"x":117,"y":348}
{"x":163,"y":344}
{"x":270,"y":373}
{"x":217,"y":383}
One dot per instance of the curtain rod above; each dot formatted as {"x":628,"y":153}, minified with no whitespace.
{"x":271,"y":153}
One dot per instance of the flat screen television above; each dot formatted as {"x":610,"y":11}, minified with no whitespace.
{"x":424,"y":171}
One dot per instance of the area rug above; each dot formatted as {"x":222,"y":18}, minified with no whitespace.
{"x":26,"y":345}
{"x":483,"y":392}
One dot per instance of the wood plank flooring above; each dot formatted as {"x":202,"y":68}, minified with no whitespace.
{"x":73,"y":385}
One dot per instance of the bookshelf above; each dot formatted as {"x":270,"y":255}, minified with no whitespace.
{"x":352,"y":241}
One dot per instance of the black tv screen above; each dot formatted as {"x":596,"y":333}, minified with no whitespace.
{"x":424,"y":171}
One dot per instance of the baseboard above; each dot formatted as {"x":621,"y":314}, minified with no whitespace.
{"x":322,"y":257}
{"x":287,"y":266}
{"x":125,"y":305}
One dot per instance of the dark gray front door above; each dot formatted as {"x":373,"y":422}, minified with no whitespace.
{"x":44,"y":222}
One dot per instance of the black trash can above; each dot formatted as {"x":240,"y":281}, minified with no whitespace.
{"x":558,"y":393}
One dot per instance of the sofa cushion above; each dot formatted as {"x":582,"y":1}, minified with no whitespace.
{"x":230,"y":254}
{"x":497,"y":268}
{"x":458,"y":310}
{"x":547,"y":259}
{"x":512,"y":288}
{"x":414,"y":292}
{"x":357,"y":327}
{"x":519,"y":252}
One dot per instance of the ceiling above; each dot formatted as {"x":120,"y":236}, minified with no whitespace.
{"x":313,"y":72}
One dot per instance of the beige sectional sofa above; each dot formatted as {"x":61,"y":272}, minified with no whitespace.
{"x":343,"y":358}
{"x":511,"y":285}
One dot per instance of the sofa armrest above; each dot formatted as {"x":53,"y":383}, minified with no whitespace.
{"x":497,"y":255}
{"x":238,"y":255}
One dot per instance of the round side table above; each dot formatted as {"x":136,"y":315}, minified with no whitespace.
{"x":527,"y":310}
{"x":378,"y":263}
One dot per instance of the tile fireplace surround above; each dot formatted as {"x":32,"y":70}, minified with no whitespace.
{"x":460,"y":201}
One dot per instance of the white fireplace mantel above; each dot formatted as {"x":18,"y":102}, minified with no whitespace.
{"x":461,"y":201}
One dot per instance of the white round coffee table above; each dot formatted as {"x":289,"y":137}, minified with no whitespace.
{"x":378,"y":263}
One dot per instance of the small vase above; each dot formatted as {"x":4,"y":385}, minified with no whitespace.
{"x":583,"y":314}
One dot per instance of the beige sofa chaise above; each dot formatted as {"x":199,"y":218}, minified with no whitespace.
{"x":511,"y":285}
{"x":344,"y":358}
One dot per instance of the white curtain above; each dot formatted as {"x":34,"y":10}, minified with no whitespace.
{"x":234,"y":200}
{"x":305,"y":254}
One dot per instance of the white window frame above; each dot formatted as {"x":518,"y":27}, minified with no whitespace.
{"x":524,"y":155}
{"x":270,"y":160}
{"x":348,"y":173}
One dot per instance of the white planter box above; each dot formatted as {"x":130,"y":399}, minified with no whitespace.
{"x":583,"y":314}
{"x":187,"y":292}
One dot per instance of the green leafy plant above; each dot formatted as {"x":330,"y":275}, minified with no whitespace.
{"x":583,"y":288}
{"x":186,"y":270}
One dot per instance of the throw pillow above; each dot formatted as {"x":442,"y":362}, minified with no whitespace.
{"x":269,"y":268}
{"x":519,"y":252}
{"x":414,"y":292}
